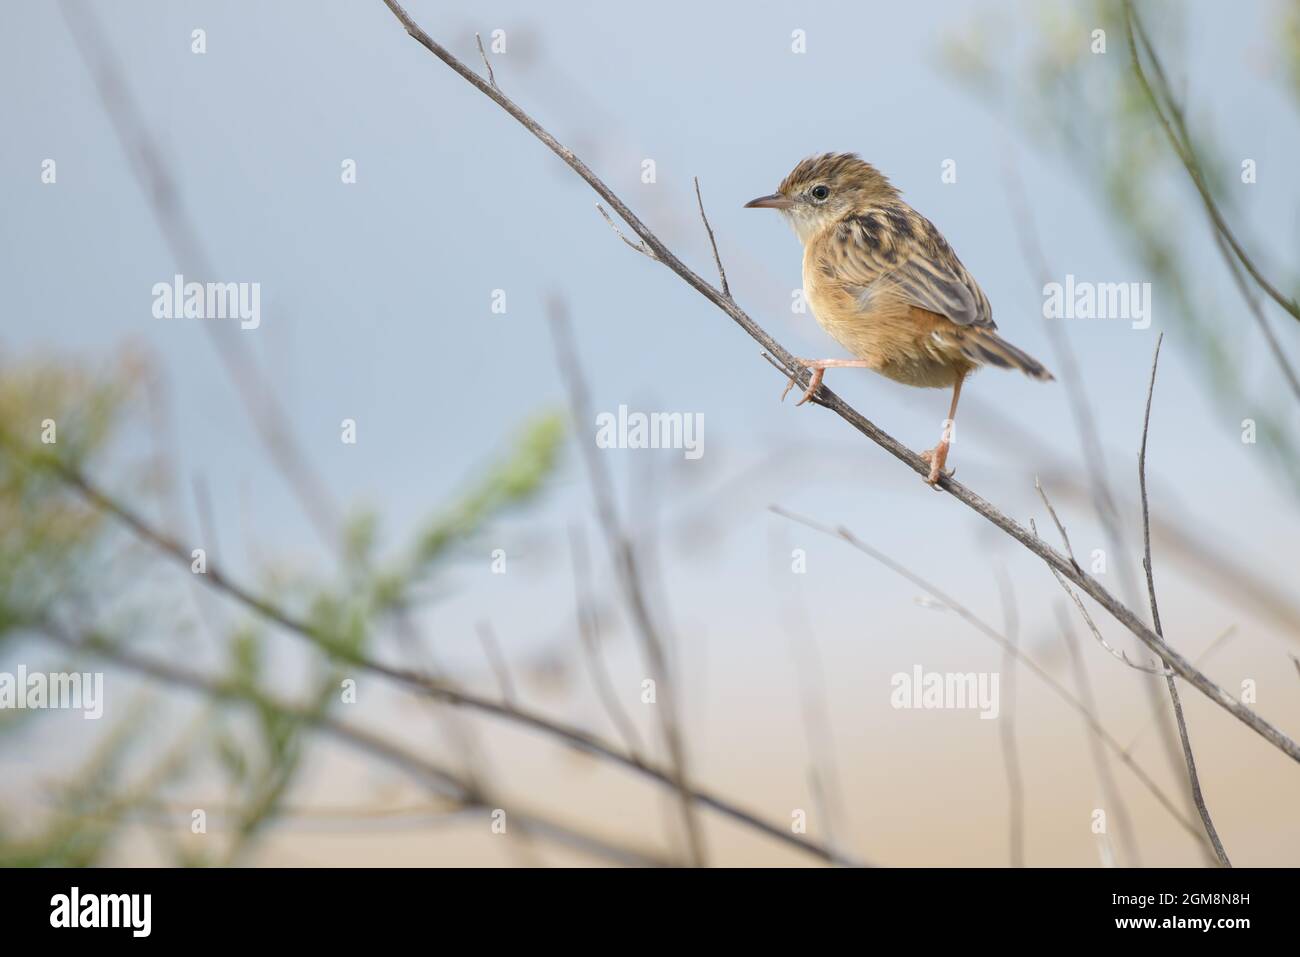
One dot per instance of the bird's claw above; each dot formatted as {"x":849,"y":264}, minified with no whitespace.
{"x":814,"y":384}
{"x":936,"y":459}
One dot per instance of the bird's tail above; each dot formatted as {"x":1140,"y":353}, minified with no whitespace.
{"x":983,"y":347}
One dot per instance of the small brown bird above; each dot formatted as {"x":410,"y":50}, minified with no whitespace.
{"x":886,"y":285}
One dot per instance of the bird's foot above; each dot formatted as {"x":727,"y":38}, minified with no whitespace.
{"x":936,"y":458}
{"x":819,"y":367}
{"x":814,"y":383}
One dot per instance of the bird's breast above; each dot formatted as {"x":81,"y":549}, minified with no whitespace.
{"x":837,"y":311}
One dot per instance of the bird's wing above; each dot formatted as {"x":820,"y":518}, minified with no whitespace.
{"x":895,"y":251}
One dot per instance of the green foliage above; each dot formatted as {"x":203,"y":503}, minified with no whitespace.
{"x":1289,"y":42}
{"x":85,"y":816}
{"x":47,"y":535}
{"x":511,"y":481}
{"x":57,"y":553}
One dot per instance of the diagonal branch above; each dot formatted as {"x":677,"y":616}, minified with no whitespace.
{"x":832,"y":401}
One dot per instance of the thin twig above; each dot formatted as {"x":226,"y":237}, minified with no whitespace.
{"x":1055,"y":518}
{"x":1116,"y":653}
{"x":1265,"y":729}
{"x":640,"y":247}
{"x":1200,"y":659}
{"x":1192,"y":777}
{"x":492,"y":78}
{"x":722,"y":273}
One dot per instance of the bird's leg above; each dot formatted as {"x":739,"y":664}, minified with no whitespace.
{"x":819,"y":367}
{"x":938,"y":455}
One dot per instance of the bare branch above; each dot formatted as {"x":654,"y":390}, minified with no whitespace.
{"x":640,"y":247}
{"x":492,"y":78}
{"x":1142,"y":487}
{"x":1192,"y":777}
{"x":1059,"y":526}
{"x":722,"y":273}
{"x":1117,"y":654}
{"x":1200,"y":659}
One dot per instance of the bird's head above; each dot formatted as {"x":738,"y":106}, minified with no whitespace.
{"x":822,"y":190}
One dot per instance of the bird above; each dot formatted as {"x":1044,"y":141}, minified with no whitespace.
{"x":883,"y":281}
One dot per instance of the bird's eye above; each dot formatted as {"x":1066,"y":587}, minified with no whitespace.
{"x":820,"y":192}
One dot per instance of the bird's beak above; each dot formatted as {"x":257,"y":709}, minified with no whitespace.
{"x":775,"y":201}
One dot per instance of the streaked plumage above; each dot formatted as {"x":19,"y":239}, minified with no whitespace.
{"x":882,"y":280}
